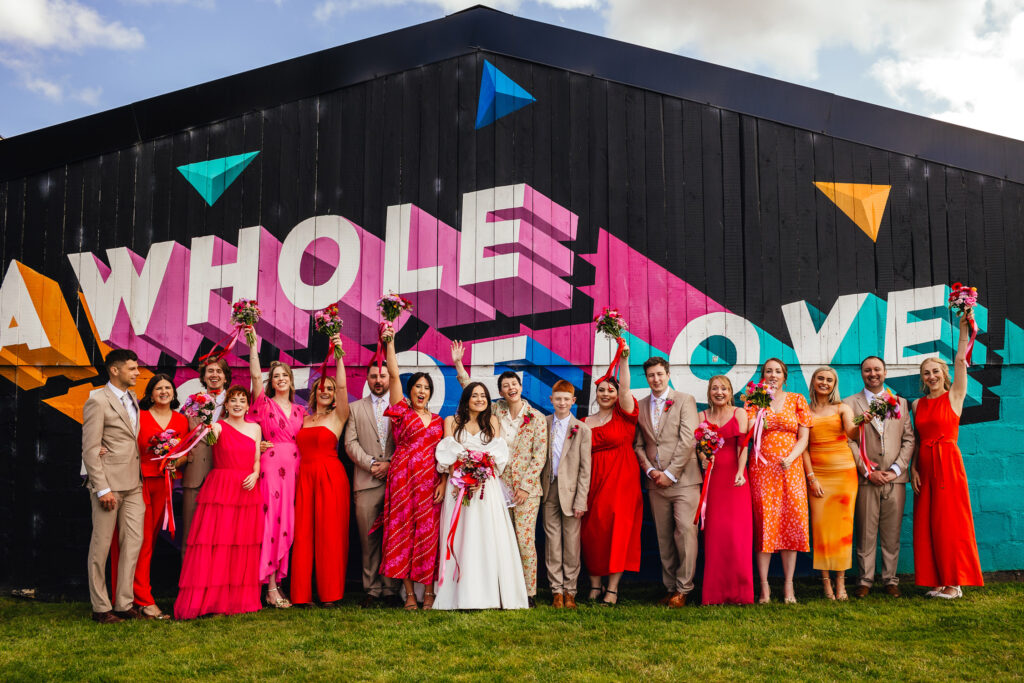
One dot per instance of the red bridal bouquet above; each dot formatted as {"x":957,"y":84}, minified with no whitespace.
{"x":329,"y":322}
{"x":160,"y":445}
{"x":884,"y":408}
{"x":164,"y":447}
{"x":612,"y":325}
{"x":709,"y":441}
{"x":760,"y":396}
{"x":201,"y":406}
{"x":961,"y":300}
{"x":469,"y":474}
{"x":246,"y":312}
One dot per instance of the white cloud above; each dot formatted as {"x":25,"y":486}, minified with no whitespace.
{"x":89,"y":96}
{"x":48,"y":89}
{"x":64,"y":25}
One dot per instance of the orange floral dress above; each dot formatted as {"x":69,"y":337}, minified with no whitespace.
{"x":780,"y":496}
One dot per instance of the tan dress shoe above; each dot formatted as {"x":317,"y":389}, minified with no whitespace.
{"x":569,"y":601}
{"x":861,"y":591}
{"x":677,"y":600}
{"x":558,"y":601}
{"x":666,"y":598}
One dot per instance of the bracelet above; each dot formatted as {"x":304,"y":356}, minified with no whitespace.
{"x":810,"y":476}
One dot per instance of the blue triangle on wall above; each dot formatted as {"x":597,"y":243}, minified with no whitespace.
{"x":211,"y":178}
{"x":499,"y":96}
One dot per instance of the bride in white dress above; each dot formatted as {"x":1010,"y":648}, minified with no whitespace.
{"x":483,"y":571}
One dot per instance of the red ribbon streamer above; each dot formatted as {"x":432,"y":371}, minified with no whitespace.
{"x":223,"y":347}
{"x":755,"y":434}
{"x":613,"y":369}
{"x":702,"y":506}
{"x":190,"y":441}
{"x":322,"y":370}
{"x":378,"y":356}
{"x":450,"y":542}
{"x":970,"y":345}
{"x":870,"y":466}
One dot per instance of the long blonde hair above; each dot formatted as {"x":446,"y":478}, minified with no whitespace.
{"x":947,"y":382}
{"x":724,"y":379}
{"x":270,"y":380}
{"x":834,"y":397}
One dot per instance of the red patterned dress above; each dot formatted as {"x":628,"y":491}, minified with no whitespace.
{"x":409,"y":518}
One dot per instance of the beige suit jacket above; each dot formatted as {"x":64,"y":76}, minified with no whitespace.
{"x":106,"y":424}
{"x":670,"y":448}
{"x":899,"y":439}
{"x":363,"y":446}
{"x":573,"y":467}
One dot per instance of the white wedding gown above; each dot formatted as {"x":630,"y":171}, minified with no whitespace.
{"x":490,"y":573}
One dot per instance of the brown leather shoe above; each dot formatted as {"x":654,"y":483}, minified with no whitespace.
{"x":130,"y":613}
{"x":558,"y":601}
{"x":106,"y":618}
{"x":569,"y":600}
{"x":667,"y":597}
{"x":677,"y":600}
{"x":893,"y":590}
{"x":861,"y":591}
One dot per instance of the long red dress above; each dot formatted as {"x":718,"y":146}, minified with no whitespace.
{"x":610,"y":532}
{"x":220,"y":573}
{"x":409,"y":517}
{"x":728,"y":528}
{"x":945,"y":550}
{"x":321,"y":518}
{"x":156,"y":494}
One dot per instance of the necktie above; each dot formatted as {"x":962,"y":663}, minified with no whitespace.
{"x":128,"y":408}
{"x":657,"y":411}
{"x":382,"y":424}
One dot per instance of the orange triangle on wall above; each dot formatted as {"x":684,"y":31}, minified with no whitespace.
{"x":863,"y":203}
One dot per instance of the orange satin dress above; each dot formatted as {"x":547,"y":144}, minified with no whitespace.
{"x":945,"y":549}
{"x":832,"y":515}
{"x":780,"y":496}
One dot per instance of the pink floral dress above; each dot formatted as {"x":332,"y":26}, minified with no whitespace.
{"x":279,"y":468}
{"x":409,"y":518}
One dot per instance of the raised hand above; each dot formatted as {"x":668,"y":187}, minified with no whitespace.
{"x":457,"y":351}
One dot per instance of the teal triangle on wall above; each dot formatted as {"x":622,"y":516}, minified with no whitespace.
{"x":499,"y":96}
{"x":211,"y":178}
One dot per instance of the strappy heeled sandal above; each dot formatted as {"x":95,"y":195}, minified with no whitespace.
{"x":827,"y":585}
{"x":279,"y":603}
{"x":410,"y":603}
{"x":428,"y":605}
{"x":594,"y":598}
{"x":608,"y":603}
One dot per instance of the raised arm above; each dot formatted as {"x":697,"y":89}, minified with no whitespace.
{"x":395,"y":381}
{"x":255,"y":375}
{"x":846,"y":415}
{"x":958,"y":392}
{"x":460,"y":370}
{"x":625,"y":395}
{"x":341,"y":408}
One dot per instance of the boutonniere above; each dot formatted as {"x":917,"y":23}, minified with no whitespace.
{"x":572,"y":432}
{"x":527,"y":418}
{"x":668,"y":403}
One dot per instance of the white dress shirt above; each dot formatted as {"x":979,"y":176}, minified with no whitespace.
{"x":870,"y":396}
{"x":559,"y":427}
{"x":380,"y":404}
{"x":510,"y":425}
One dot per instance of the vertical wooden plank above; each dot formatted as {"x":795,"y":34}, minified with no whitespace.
{"x":770,"y":269}
{"x":636,"y":192}
{"x":753,"y":304}
{"x":712,"y":230}
{"x":654,"y":206}
{"x":691,"y":241}
{"x":732,"y":211}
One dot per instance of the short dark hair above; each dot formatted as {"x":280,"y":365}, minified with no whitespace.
{"x":119,"y":357}
{"x":416,"y":378}
{"x":657,"y":360}
{"x":872,"y":358}
{"x":147,"y":399}
{"x":509,"y":374}
{"x":223,"y":366}
{"x":373,"y":365}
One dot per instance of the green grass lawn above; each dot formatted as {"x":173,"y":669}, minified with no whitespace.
{"x":911,"y":638}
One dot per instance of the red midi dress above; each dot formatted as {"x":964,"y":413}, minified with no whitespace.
{"x":610,"y":532}
{"x":321,"y":518}
{"x":945,"y":549}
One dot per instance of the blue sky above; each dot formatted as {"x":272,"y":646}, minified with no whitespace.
{"x":957,"y":60}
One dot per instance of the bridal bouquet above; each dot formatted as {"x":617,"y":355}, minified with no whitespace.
{"x":611,"y":323}
{"x":470,"y":474}
{"x":329,"y":322}
{"x":961,"y":300}
{"x":760,"y":396}
{"x":887,"y":408}
{"x":708,"y":440}
{"x":392,"y":305}
{"x":161,"y":444}
{"x":201,"y":406}
{"x":246,"y":312}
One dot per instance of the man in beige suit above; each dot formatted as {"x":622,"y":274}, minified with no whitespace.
{"x":111,"y":421}
{"x":665,"y":448}
{"x":565,"y":483}
{"x":215,"y":376}
{"x":370,"y":445}
{"x":882,"y":495}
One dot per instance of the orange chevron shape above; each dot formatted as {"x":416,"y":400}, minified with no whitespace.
{"x":40,"y":307}
{"x":863,"y":203}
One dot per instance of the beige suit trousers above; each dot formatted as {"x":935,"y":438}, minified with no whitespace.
{"x":129,"y":518}
{"x":562,"y":544}
{"x":879,"y":518}
{"x":368,"y":504}
{"x":673,"y":510}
